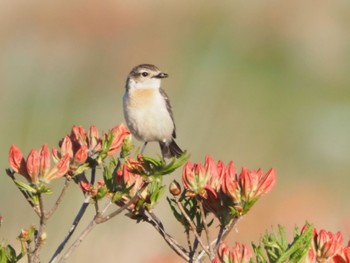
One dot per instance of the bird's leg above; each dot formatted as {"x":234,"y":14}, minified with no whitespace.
{"x":143,"y":147}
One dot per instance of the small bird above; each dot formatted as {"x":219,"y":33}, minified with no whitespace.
{"x":147,"y":109}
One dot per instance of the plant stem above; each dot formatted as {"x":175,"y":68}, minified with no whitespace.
{"x":152,"y":219}
{"x":192,"y":225}
{"x":200,"y":204}
{"x":59,"y":199}
{"x":72,"y":229}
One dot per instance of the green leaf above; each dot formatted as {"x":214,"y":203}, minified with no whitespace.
{"x":278,"y":250}
{"x":156,"y":167}
{"x":300,"y":246}
{"x":25,"y":187}
{"x":82,"y":168}
{"x":109,"y":175}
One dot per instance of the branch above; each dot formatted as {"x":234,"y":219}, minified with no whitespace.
{"x":193,"y":227}
{"x":151,"y":218}
{"x":224,"y":231}
{"x":59,"y":199}
{"x":76,"y":220}
{"x":77,"y":242}
{"x":39,"y":236}
{"x":72,"y":229}
{"x":211,"y":256}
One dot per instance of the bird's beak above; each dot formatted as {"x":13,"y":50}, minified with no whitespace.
{"x":161,"y":75}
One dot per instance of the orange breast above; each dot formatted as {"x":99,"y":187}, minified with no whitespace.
{"x":144,"y":98}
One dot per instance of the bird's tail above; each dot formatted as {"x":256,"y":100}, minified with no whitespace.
{"x":170,"y":150}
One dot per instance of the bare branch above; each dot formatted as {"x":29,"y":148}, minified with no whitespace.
{"x":192,"y":225}
{"x":72,"y":229}
{"x":59,"y":199}
{"x":152,"y":219}
{"x":200,"y":204}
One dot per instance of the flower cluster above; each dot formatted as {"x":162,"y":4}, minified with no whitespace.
{"x":130,"y":185}
{"x":74,"y":152}
{"x":220,"y":187}
{"x":37,"y":167}
{"x":238,"y":254}
{"x":81,"y":144}
{"x":328,"y":247}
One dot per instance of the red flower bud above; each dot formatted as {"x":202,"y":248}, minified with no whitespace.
{"x":33,"y":165}
{"x":45,"y":161}
{"x":119,"y":134}
{"x":93,"y":138}
{"x":17,"y":162}
{"x":175,"y":188}
{"x":63,"y":166}
{"x":67,"y":147}
{"x":78,"y":134}
{"x":327,"y":244}
{"x":239,"y":253}
{"x":81,"y":155}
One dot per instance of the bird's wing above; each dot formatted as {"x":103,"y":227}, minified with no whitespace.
{"x":168,"y":106}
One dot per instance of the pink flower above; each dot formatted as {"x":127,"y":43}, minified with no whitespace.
{"x":254,"y":184}
{"x":81,"y":155}
{"x":37,"y":167}
{"x":93,"y":139}
{"x":230,"y":184}
{"x":17,"y":162}
{"x":78,"y":135}
{"x":195,"y":178}
{"x":131,"y":184}
{"x":198,"y":178}
{"x":119,"y":133}
{"x":238,"y":254}
{"x":67,"y":147}
{"x":326,"y":244}
{"x":45,"y":161}
{"x":33,"y":165}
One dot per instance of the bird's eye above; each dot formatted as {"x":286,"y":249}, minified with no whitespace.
{"x":145,"y":74}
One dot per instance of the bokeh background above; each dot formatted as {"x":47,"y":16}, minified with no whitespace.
{"x":262,"y":83}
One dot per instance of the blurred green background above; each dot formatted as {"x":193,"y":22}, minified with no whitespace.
{"x":262,"y":83}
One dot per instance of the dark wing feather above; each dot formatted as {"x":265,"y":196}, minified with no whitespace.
{"x":168,"y":106}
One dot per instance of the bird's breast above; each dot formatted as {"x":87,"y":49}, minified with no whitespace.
{"x":147,"y":115}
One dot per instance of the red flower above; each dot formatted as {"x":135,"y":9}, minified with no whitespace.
{"x":238,"y":254}
{"x":81,"y":155}
{"x":45,"y":161}
{"x":195,"y":178}
{"x":230,"y":184}
{"x":67,"y":147}
{"x":119,"y":133}
{"x":37,"y":167}
{"x":326,"y":244}
{"x":254,"y":183}
{"x":93,"y":139}
{"x":17,"y":161}
{"x":33,"y":165}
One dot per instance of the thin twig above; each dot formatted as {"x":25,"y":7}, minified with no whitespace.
{"x":59,"y":199}
{"x":39,"y":235}
{"x":200,"y":204}
{"x":224,"y":231}
{"x":152,"y":219}
{"x":103,"y":219}
{"x":193,"y":227}
{"x":98,"y":219}
{"x":188,"y":240}
{"x":76,"y":221}
{"x":72,"y":229}
{"x":77,"y":242}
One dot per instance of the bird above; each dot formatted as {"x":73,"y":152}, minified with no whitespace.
{"x":147,"y":109}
